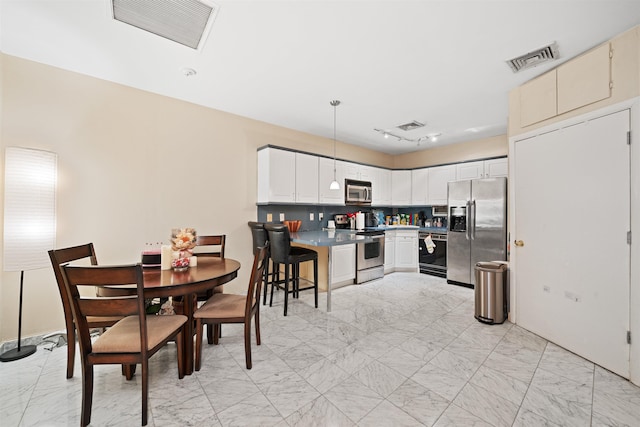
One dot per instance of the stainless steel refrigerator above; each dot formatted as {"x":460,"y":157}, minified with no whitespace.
{"x":477,"y":226}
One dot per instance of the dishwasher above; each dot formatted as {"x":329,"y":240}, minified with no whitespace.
{"x":434,"y":262}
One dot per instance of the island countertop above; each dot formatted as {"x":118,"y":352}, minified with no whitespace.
{"x":329,"y":237}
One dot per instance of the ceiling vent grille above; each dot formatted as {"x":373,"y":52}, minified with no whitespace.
{"x":183,"y":21}
{"x":537,"y":57}
{"x":411,"y":126}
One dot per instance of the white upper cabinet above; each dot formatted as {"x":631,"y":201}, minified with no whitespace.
{"x":419,"y":186}
{"x":381,"y":187}
{"x":470,"y":170}
{"x":287,"y":177}
{"x":439,"y":178}
{"x":276,"y":176}
{"x":401,"y":188}
{"x":325,"y":177}
{"x":306,"y":178}
{"x":493,"y":168}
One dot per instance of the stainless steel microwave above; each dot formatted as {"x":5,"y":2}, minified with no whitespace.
{"x":357,"y":192}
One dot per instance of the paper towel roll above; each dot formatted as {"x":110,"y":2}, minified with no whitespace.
{"x":165,"y":257}
{"x":360,"y":221}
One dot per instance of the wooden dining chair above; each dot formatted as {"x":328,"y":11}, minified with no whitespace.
{"x":210,"y":246}
{"x":231,"y":308}
{"x":132,"y":340}
{"x":63,"y":256}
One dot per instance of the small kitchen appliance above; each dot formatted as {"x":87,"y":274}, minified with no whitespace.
{"x":341,"y":220}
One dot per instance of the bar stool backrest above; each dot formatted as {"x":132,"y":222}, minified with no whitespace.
{"x":259,"y":235}
{"x":279,"y":242}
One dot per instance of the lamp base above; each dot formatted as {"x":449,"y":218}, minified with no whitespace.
{"x":15,"y":354}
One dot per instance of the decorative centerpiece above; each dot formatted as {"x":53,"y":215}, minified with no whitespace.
{"x":183,"y":240}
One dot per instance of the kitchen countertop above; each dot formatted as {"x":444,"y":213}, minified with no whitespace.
{"x":329,"y":237}
{"x":341,"y":236}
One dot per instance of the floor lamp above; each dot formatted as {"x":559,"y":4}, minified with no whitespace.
{"x":29,"y":220}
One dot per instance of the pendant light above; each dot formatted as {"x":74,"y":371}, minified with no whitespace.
{"x":334,"y":184}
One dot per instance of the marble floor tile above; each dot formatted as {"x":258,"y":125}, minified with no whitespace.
{"x":419,"y":402}
{"x":487,"y":405}
{"x":353,"y":398}
{"x":403,"y":350}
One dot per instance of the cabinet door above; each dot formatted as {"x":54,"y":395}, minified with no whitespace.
{"x":538,"y":99}
{"x":419,"y":186}
{"x":584,"y":80}
{"x":343,"y":263}
{"x":401,"y":187}
{"x":469,"y":170}
{"x":407,"y":251}
{"x":382,"y":191}
{"x":348,"y":170}
{"x":389,"y":251}
{"x":325,"y":177}
{"x":306,"y":178}
{"x":276,"y":176}
{"x":496,"y":168}
{"x":439,"y":177}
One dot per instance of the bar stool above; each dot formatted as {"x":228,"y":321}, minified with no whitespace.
{"x":260,"y":238}
{"x":282,"y":252}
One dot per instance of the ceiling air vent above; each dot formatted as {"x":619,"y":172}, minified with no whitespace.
{"x":183,"y":21}
{"x":411,"y":126}
{"x":531,"y":59}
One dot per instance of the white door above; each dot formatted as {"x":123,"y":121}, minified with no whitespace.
{"x":572,"y":214}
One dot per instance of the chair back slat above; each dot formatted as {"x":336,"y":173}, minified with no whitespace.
{"x":204,"y":246}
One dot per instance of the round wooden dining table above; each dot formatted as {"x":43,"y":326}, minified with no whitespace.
{"x":207,"y":274}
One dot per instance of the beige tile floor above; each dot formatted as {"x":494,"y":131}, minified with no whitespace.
{"x":401,"y":351}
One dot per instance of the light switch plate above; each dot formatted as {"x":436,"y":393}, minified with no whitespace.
{"x":320,"y":216}
{"x":282,"y":217}
{"x":269,"y":217}
{"x":311,"y":216}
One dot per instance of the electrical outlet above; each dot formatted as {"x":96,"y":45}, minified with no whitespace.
{"x":281,"y":217}
{"x":320,"y":216}
{"x":311,"y":216}
{"x":269,"y":217}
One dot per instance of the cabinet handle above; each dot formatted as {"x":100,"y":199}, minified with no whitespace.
{"x":519,"y":243}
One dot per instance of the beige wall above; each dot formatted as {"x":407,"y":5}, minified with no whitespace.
{"x":625,"y":68}
{"x":472,"y":150}
{"x":133,"y":165}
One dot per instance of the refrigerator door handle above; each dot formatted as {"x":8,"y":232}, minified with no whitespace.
{"x":473,"y":219}
{"x":467,"y":229}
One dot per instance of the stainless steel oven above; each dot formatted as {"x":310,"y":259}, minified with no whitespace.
{"x":370,"y":257}
{"x":433,"y":259}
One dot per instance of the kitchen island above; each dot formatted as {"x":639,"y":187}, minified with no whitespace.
{"x":322,"y":241}
{"x":337,"y":254}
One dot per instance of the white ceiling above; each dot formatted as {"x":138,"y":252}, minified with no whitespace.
{"x":282,"y":62}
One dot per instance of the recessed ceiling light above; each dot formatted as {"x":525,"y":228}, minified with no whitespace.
{"x":188,"y":72}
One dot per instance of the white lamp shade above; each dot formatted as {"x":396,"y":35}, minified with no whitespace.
{"x":29,"y":208}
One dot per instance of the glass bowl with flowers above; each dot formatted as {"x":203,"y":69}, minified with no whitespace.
{"x":183,"y":240}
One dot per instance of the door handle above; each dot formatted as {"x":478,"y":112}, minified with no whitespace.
{"x":519,"y":243}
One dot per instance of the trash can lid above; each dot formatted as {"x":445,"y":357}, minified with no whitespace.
{"x":490,"y":266}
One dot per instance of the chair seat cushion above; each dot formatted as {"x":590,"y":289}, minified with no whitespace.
{"x":298,"y":254}
{"x":222,"y":306}
{"x":124,"y":336}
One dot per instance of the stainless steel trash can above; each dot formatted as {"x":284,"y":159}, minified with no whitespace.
{"x":490,"y":292}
